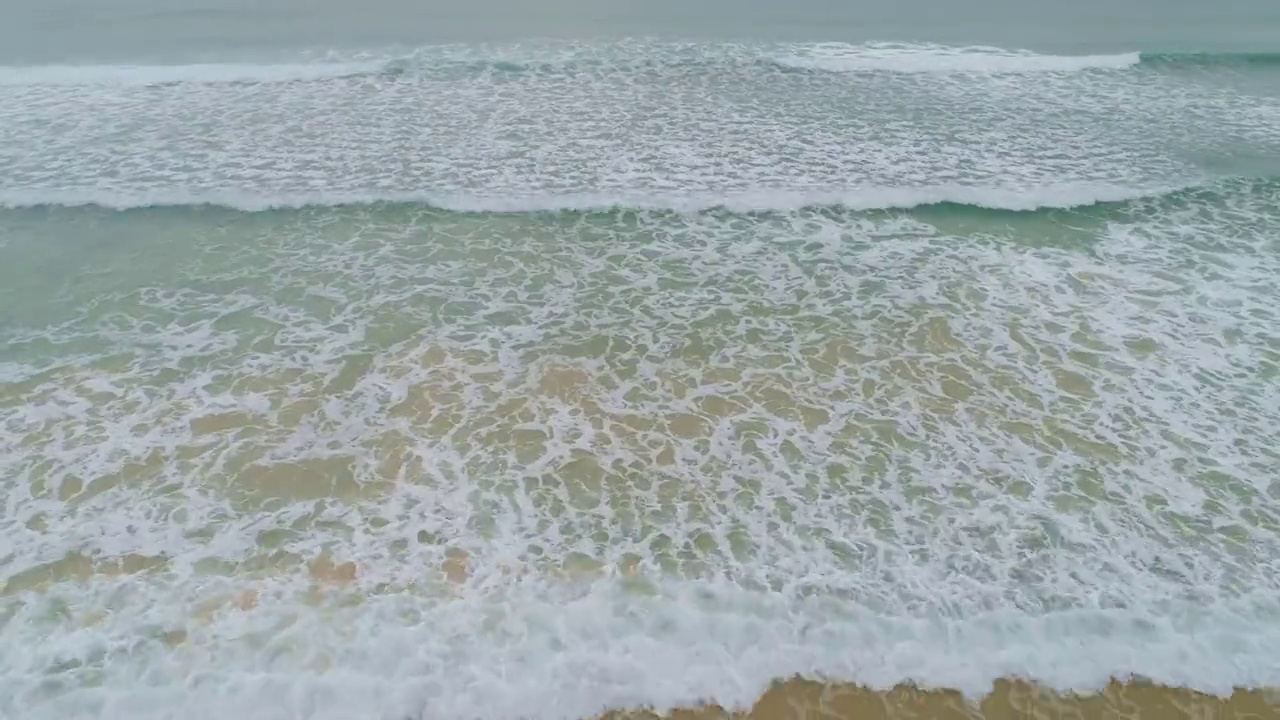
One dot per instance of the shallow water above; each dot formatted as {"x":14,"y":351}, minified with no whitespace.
{"x":541,"y":379}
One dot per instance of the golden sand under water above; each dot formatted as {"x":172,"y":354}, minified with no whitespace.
{"x":799,"y":699}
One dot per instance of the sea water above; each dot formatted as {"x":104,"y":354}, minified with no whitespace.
{"x":378,"y":362}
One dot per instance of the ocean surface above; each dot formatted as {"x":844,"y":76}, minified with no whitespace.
{"x":375,"y":361}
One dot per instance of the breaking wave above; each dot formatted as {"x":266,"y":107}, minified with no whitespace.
{"x":570,"y":57}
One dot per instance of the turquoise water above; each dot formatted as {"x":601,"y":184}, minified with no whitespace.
{"x":367,"y":363}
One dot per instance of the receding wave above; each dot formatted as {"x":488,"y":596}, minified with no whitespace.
{"x":428,"y":61}
{"x":1055,"y":197}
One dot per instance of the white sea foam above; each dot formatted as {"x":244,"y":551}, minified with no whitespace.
{"x":1065,"y":195}
{"x":926,"y":58}
{"x":670,"y":459}
{"x":892,"y":57}
{"x":527,"y":653}
{"x":620,"y":125}
{"x":638,"y":458}
{"x":941,"y":59}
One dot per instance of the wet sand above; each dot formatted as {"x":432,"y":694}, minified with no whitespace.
{"x":1009,"y":700}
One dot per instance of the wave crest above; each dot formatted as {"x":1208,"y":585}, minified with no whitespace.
{"x":556,"y":57}
{"x":911,"y":58}
{"x":1053,"y":197}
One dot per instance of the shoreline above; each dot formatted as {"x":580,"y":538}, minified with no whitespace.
{"x":1008,"y":699}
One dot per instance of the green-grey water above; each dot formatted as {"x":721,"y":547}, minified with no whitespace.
{"x":366,"y":362}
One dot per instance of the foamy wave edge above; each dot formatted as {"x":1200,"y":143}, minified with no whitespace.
{"x":840,"y":57}
{"x":1046,"y":197}
{"x":930,"y":59}
{"x":578,"y":657}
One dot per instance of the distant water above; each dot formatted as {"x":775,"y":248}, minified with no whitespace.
{"x":401,"y":368}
